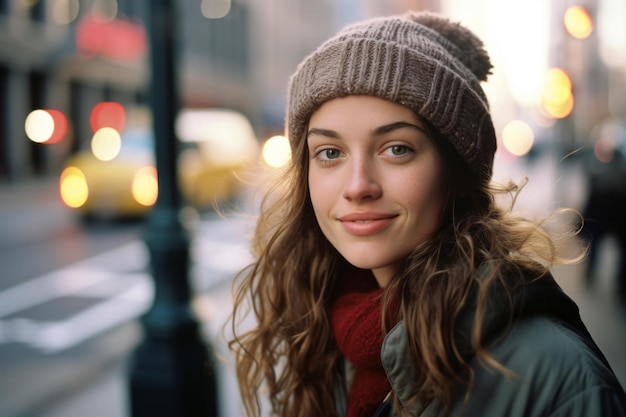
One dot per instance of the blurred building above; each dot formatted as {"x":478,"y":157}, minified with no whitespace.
{"x":64,"y":55}
{"x":69,"y":55}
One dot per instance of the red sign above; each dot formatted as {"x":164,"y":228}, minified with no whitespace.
{"x":117,"y":39}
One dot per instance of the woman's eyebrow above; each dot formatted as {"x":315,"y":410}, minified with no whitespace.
{"x":322,"y":132}
{"x":381,"y":130}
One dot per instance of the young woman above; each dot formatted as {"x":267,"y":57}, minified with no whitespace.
{"x":387,"y":280}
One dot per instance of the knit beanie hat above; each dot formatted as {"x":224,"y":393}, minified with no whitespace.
{"x":419,"y":60}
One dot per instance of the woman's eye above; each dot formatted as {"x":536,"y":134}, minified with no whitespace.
{"x":329,"y":153}
{"x":398,"y":150}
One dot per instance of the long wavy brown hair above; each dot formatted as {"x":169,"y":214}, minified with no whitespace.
{"x":287,"y":353}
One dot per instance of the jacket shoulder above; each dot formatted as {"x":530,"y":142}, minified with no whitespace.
{"x":555,"y":370}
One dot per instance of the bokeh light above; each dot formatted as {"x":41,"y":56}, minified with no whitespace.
{"x":106,"y":144}
{"x":145,"y":188}
{"x":518,"y":137}
{"x":73,"y":187}
{"x":108,"y":114}
{"x":276,"y":151}
{"x":60,"y":126}
{"x":47,"y":126}
{"x":557,"y":99}
{"x":578,"y":22}
{"x":39,"y":126}
{"x":604,"y":149}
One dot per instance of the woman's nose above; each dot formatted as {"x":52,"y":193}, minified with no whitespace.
{"x":362,"y":183}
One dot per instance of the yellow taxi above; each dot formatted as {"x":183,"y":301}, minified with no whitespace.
{"x":116,"y":177}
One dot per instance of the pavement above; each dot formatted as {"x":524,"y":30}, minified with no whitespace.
{"x":91,"y":375}
{"x":96,"y":371}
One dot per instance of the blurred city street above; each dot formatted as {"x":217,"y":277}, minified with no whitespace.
{"x":55,"y":366}
{"x":66,"y":332}
{"x":80,"y":136}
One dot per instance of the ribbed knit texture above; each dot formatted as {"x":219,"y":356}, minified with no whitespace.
{"x":419,"y":60}
{"x":357,"y":325}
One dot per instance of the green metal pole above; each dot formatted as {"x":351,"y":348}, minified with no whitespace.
{"x":171,"y":370}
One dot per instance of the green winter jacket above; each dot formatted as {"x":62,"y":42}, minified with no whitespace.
{"x":559,"y":375}
{"x":560,"y":370}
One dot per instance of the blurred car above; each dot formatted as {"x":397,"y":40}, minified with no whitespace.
{"x":216,"y":145}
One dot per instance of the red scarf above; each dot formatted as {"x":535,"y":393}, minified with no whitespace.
{"x":357,"y":320}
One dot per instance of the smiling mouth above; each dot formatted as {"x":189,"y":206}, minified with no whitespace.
{"x":361,"y":225}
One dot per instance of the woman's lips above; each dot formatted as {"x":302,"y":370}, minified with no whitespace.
{"x":365,"y":224}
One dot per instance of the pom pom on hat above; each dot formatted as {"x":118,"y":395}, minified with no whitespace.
{"x":469,"y":49}
{"x":419,"y":60}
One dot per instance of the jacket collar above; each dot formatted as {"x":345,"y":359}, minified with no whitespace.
{"x":541,"y":296}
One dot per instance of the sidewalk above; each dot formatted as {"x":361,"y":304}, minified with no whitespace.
{"x":40,"y":384}
{"x":106,"y":395}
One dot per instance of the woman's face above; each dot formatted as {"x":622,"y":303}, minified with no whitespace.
{"x":376,"y":181}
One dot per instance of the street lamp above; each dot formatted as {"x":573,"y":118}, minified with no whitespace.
{"x":172,"y":368}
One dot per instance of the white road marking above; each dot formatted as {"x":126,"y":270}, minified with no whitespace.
{"x":67,"y":280}
{"x":58,"y":336}
{"x":111,"y":276}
